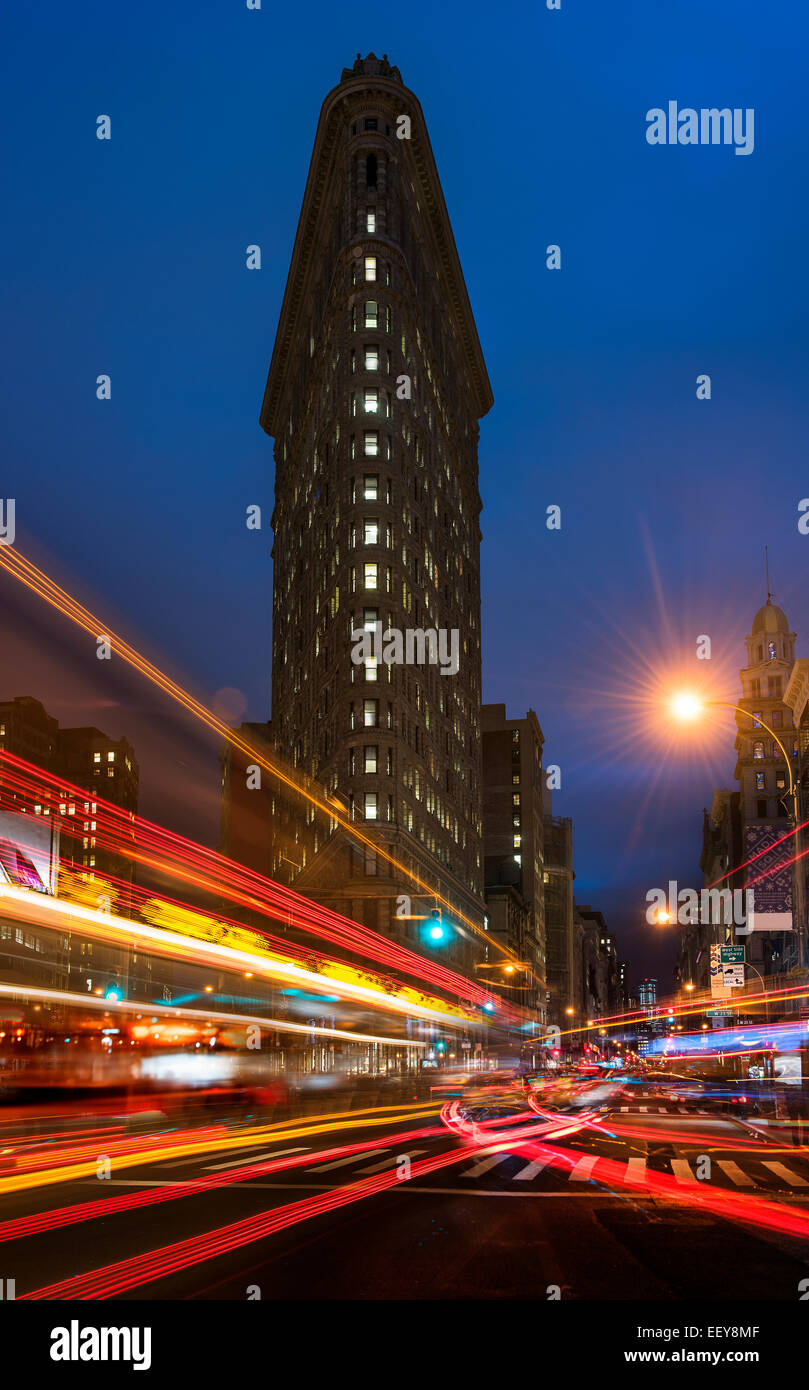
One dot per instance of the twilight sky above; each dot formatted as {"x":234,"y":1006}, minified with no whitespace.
{"x":127,"y":257}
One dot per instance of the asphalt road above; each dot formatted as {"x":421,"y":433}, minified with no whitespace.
{"x":502,"y":1225}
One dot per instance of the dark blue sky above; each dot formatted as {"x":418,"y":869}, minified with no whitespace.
{"x":127,"y":257}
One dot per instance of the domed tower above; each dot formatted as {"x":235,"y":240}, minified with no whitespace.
{"x":763,"y":777}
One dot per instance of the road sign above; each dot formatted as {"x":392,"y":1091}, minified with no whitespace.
{"x":731,"y":955}
{"x":733,"y":976}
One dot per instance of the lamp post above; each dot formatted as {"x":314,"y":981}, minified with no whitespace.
{"x":688,"y":707}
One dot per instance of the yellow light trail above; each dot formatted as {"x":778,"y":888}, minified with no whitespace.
{"x":73,"y":1172}
{"x":39,"y":583}
{"x":37,"y":908}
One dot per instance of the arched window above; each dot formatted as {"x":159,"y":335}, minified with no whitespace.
{"x":370,"y":171}
{"x":758,"y":750}
{"x":771,"y":650}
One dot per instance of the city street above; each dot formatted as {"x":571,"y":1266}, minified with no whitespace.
{"x":498,"y":1226}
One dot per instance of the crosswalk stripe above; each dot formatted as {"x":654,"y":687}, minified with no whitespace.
{"x":636,"y":1169}
{"x":786,"y":1174}
{"x":624,"y":1109}
{"x":256,"y":1158}
{"x":735,"y":1173}
{"x":683,"y":1109}
{"x":644,"y":1109}
{"x":681,"y":1169}
{"x":584,"y":1168}
{"x":378,"y":1167}
{"x":531,"y":1169}
{"x":341,"y":1162}
{"x":484,"y":1165}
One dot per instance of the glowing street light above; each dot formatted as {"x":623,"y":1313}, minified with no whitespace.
{"x":687,"y":707}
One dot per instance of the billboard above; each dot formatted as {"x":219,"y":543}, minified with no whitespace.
{"x":29,"y":852}
{"x":772,"y":876}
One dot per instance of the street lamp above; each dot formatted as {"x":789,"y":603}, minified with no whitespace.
{"x":687,"y":707}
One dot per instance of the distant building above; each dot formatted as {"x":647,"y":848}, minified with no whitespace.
{"x":513,"y":843}
{"x":563,"y":948}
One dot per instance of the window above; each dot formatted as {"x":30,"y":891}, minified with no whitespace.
{"x":372,"y":575}
{"x":371,"y":401}
{"x":774,"y":686}
{"x":370,"y":805}
{"x":370,"y":220}
{"x":517,"y":841}
{"x":515,"y":799}
{"x":371,"y":758}
{"x":96,"y":757}
{"x":370,"y":713}
{"x":370,"y":171}
{"x":370,"y":269}
{"x":371,"y":358}
{"x":371,"y":487}
{"x":771,"y":650}
{"x":370,"y":618}
{"x":757,"y":717}
{"x":370,"y":122}
{"x":776,"y":719}
{"x":761,"y":808}
{"x":370,"y":531}
{"x":515,"y":779}
{"x":371,"y":668}
{"x":780,"y":781}
{"x":758,"y":750}
{"x":388,"y":320}
{"x":371,"y":443}
{"x":759,"y":781}
{"x":371,"y":313}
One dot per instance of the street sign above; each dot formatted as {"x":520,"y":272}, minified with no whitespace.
{"x":733,"y":976}
{"x":731,"y":955}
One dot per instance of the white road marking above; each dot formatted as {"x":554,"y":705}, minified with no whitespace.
{"x":257,"y":1158}
{"x":341,"y":1162}
{"x":531,"y":1169}
{"x":682,"y":1171}
{"x":484,"y":1165}
{"x":584,"y":1168}
{"x":735,"y":1173}
{"x":786,"y":1174}
{"x":378,"y":1167}
{"x":635,"y":1170}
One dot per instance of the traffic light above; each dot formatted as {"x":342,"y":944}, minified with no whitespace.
{"x":435,"y":926}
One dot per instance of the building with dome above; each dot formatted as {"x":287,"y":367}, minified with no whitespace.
{"x":745,"y":834}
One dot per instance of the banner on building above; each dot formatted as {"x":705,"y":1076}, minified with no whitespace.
{"x":29,"y":852}
{"x":770,"y":877}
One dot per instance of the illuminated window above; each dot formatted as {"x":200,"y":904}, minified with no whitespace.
{"x":96,"y":757}
{"x":759,"y":781}
{"x":758,"y":750}
{"x":517,"y":841}
{"x":371,"y":443}
{"x":371,"y":401}
{"x":110,"y":757}
{"x":371,"y":575}
{"x":371,"y":313}
{"x":371,"y":531}
{"x":370,"y":220}
{"x":370,"y":268}
{"x":370,"y":713}
{"x":371,"y":358}
{"x":370,"y":805}
{"x":371,"y":487}
{"x":371,"y":758}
